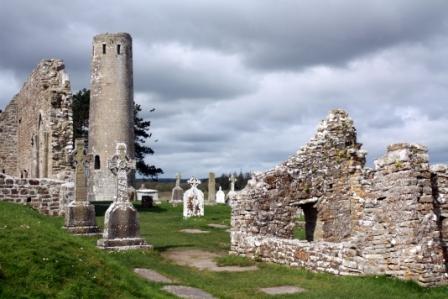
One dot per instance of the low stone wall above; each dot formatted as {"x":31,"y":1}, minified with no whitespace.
{"x":48,"y":196}
{"x":335,"y":258}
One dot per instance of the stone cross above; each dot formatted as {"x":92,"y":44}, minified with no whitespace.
{"x":232,"y":180}
{"x":211,"y":187}
{"x":81,"y":162}
{"x":121,"y":166}
{"x":194,"y":182}
{"x":177,"y":179}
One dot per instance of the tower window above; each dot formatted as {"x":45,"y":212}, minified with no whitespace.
{"x":118,"y":49}
{"x":97,"y":162}
{"x":104,"y":48}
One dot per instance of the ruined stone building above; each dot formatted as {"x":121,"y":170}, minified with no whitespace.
{"x":390,"y":220}
{"x":36,"y":128}
{"x":111,"y":119}
{"x":36,"y":139}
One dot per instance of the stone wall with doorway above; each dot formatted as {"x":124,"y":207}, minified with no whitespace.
{"x":389,"y":220}
{"x":36,"y":128}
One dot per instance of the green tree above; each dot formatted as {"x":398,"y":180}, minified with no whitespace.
{"x":141,"y":132}
{"x":80,"y":106}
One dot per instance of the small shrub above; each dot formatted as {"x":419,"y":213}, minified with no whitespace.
{"x":398,"y":164}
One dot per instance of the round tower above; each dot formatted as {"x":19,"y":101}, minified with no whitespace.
{"x":111,"y":115}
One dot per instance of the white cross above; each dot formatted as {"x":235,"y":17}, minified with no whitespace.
{"x":194,"y":182}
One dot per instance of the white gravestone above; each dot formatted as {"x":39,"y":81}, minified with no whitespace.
{"x":220,"y":196}
{"x":193,"y":200}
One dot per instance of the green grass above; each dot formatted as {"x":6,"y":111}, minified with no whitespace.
{"x":77,"y":269}
{"x":233,"y":260}
{"x":40,"y":260}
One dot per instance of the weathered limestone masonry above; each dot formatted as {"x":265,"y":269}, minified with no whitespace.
{"x":111,"y":109}
{"x":48,"y":196}
{"x":36,"y":128}
{"x":390,"y":220}
{"x":8,"y":139}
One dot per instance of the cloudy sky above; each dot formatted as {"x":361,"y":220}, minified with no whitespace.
{"x":241,"y":85}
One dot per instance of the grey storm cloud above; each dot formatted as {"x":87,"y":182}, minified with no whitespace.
{"x":241,"y":85}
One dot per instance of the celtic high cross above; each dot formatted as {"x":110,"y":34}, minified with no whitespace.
{"x":81,"y":162}
{"x":121,"y":165}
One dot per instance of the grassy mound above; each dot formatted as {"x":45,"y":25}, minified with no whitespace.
{"x":40,"y":260}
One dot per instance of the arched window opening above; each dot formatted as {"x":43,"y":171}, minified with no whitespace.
{"x":97,"y":164}
{"x":104,"y":48}
{"x":118,"y":49}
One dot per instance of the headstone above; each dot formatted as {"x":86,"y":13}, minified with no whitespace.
{"x":178,"y":192}
{"x":220,"y":196}
{"x":193,"y":200}
{"x":231,"y":195}
{"x":211,"y":187}
{"x":121,"y":227}
{"x":80,"y":214}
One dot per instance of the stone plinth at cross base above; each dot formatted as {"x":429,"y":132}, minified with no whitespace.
{"x":80,"y":214}
{"x":121,"y":226}
{"x":80,"y":219}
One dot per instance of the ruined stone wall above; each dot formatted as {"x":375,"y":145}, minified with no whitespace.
{"x":439,"y":174}
{"x":43,"y":124}
{"x":8,"y":139}
{"x":382,"y":221}
{"x":48,"y":196}
{"x":317,"y":177}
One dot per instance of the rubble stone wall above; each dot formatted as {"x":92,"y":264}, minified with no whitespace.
{"x":358,"y":221}
{"x":40,"y":127}
{"x":48,"y":196}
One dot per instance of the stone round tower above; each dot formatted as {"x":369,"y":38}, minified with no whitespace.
{"x":111,"y":119}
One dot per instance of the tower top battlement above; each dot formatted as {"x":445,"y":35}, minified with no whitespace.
{"x":104,"y":37}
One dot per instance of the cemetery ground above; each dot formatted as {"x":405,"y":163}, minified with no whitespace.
{"x":38,"y":259}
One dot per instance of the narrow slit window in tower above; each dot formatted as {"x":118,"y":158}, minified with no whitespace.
{"x":118,"y":49}
{"x":97,"y":162}
{"x":104,"y":48}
